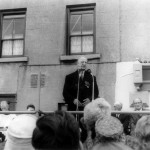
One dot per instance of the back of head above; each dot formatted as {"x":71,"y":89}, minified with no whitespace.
{"x":142,"y":129}
{"x":96,"y":109}
{"x":142,"y":132}
{"x":20,"y":132}
{"x":56,"y":131}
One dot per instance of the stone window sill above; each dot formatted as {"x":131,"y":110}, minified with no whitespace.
{"x":75,"y":57}
{"x":14,"y":59}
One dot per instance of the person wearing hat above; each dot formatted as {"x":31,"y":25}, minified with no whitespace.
{"x":98,"y":108}
{"x":109,"y":132}
{"x":19,"y":133}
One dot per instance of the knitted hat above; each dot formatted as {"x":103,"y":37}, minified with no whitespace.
{"x":19,"y":133}
{"x":109,"y":127}
{"x":98,"y":108}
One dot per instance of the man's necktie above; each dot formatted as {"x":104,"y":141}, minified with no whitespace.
{"x":81,"y":75}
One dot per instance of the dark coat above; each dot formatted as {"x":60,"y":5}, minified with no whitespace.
{"x":125,"y":120}
{"x":85,"y":89}
{"x":134,"y":119}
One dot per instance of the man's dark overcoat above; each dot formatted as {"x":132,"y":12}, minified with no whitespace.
{"x":85,"y":89}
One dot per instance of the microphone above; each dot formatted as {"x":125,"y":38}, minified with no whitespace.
{"x":89,"y":71}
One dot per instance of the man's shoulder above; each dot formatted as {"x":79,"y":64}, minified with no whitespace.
{"x":145,"y":109}
{"x":72,"y":74}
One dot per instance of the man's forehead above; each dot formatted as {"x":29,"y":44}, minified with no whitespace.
{"x":117,"y":104}
{"x":81,"y":59}
{"x":137,"y":100}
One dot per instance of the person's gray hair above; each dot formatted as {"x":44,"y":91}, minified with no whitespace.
{"x":98,"y":108}
{"x":138,"y":99}
{"x":81,"y":57}
{"x":118,"y":103}
{"x":142,"y":128}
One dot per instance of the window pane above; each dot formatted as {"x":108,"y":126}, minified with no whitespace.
{"x":7,"y":29}
{"x":7,"y":48}
{"x":75,"y":44}
{"x":75,"y":24}
{"x":18,"y":28}
{"x":18,"y":47}
{"x":87,"y":23}
{"x":87,"y":43}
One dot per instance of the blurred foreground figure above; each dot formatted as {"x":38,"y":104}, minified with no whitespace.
{"x":19,"y":133}
{"x":57,"y":131}
{"x":5,"y":119}
{"x":97,"y":109}
{"x":142,"y":132}
{"x":109,"y":132}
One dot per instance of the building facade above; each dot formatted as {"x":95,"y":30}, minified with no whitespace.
{"x":41,"y":41}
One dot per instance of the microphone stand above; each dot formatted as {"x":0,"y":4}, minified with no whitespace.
{"x":89,"y":70}
{"x":92,"y":87}
{"x":77,"y":106}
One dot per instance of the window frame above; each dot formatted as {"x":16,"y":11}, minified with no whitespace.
{"x":79,"y":8}
{"x":20,"y":11}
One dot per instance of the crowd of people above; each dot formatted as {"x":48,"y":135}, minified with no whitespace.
{"x":61,"y":131}
{"x":96,"y":129}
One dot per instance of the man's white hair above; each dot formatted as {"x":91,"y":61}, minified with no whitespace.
{"x":81,"y":57}
{"x":118,"y":103}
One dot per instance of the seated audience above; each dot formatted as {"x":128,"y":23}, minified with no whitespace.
{"x":142,"y":132}
{"x":20,"y":132}
{"x":92,"y":111}
{"x":56,"y":131}
{"x":109,"y":134}
{"x":30,"y":107}
{"x":124,"y":118}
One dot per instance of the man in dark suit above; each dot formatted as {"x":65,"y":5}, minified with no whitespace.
{"x":138,"y":106}
{"x":124,"y":118}
{"x":78,"y":88}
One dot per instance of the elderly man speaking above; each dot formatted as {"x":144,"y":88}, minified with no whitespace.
{"x":78,"y":87}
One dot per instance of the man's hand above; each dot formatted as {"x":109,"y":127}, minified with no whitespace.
{"x":77,"y":102}
{"x":86,"y":101}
